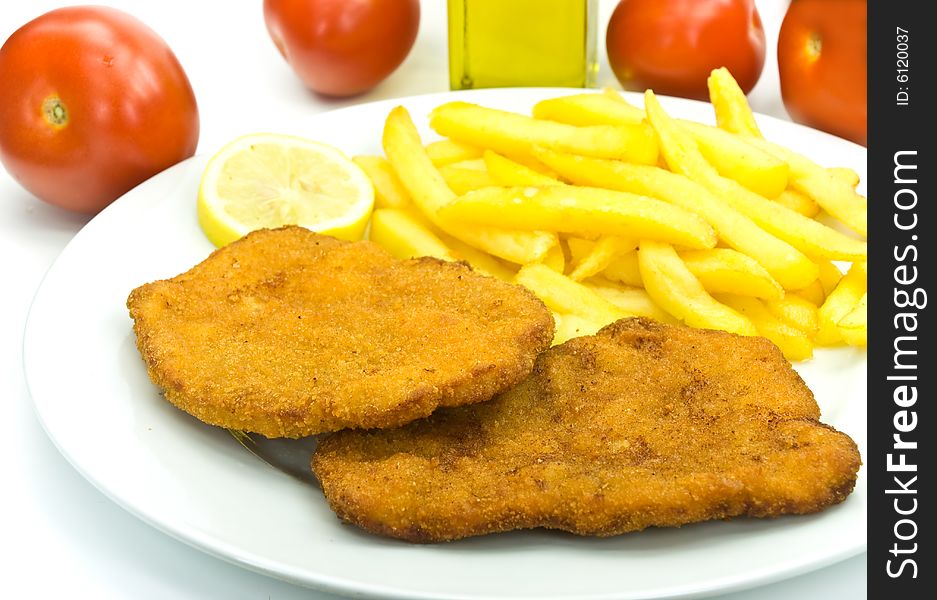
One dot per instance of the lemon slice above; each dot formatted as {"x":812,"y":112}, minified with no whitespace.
{"x":266,"y":180}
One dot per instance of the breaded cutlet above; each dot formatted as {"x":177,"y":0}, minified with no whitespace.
{"x":641,"y":425}
{"x":289,"y":333}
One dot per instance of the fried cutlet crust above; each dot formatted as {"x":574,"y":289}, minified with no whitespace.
{"x":641,"y":425}
{"x":288,"y":333}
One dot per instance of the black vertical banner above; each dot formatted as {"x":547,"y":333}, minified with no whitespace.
{"x":902,"y":57}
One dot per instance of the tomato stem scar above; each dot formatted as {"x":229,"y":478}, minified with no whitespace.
{"x":54,"y":111}
{"x":814,"y":46}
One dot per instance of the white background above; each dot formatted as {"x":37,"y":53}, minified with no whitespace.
{"x":60,"y":537}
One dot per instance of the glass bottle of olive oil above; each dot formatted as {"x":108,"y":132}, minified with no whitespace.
{"x":501,"y":43}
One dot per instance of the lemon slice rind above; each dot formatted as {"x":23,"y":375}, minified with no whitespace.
{"x":265,"y":180}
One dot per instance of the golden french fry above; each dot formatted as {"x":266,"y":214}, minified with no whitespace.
{"x":671,"y":285}
{"x":569,"y":326}
{"x":734,"y":157}
{"x":833,"y":189}
{"x":506,"y":172}
{"x":579,"y":247}
{"x":514,"y":246}
{"x":809,"y":236}
{"x":722,"y":270}
{"x":461,"y":179}
{"x":798,"y":202}
{"x":429,"y":192}
{"x":733,"y":114}
{"x":588,"y":109}
{"x":832,"y":192}
{"x":813,"y":293}
{"x":412,"y":165}
{"x":839,"y":303}
{"x":732,"y":110}
{"x":634,"y":301}
{"x":837,"y":198}
{"x":788,"y":266}
{"x":574,"y":209}
{"x":603,"y":252}
{"x":388,"y":191}
{"x":563,"y":295}
{"x":854,"y":327}
{"x":555,"y":259}
{"x":471,"y":164}
{"x":829,"y":276}
{"x":531,"y":163}
{"x":445,"y":152}
{"x":796,"y":312}
{"x":844,"y":174}
{"x":616,"y":96}
{"x":625,"y":269}
{"x":794,"y":343}
{"x":516,"y":134}
{"x":477,"y":259}
{"x":406,"y":235}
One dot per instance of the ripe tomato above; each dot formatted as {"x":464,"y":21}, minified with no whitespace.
{"x":343,"y":47}
{"x":671,"y":46}
{"x":822,"y":65}
{"x":92,"y":102}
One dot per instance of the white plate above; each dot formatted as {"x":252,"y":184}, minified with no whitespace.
{"x":194,"y":482}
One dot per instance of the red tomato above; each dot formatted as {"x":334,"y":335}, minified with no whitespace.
{"x":343,"y":47}
{"x":92,"y":102}
{"x":671,"y":46}
{"x":822,"y":64}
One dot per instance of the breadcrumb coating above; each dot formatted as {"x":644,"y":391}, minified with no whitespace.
{"x":289,"y":333}
{"x":642,"y":425}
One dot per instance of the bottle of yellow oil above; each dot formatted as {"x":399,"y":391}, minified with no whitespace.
{"x":502,"y":43}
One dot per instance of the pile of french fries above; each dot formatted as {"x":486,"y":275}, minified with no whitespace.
{"x":606,"y":210}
